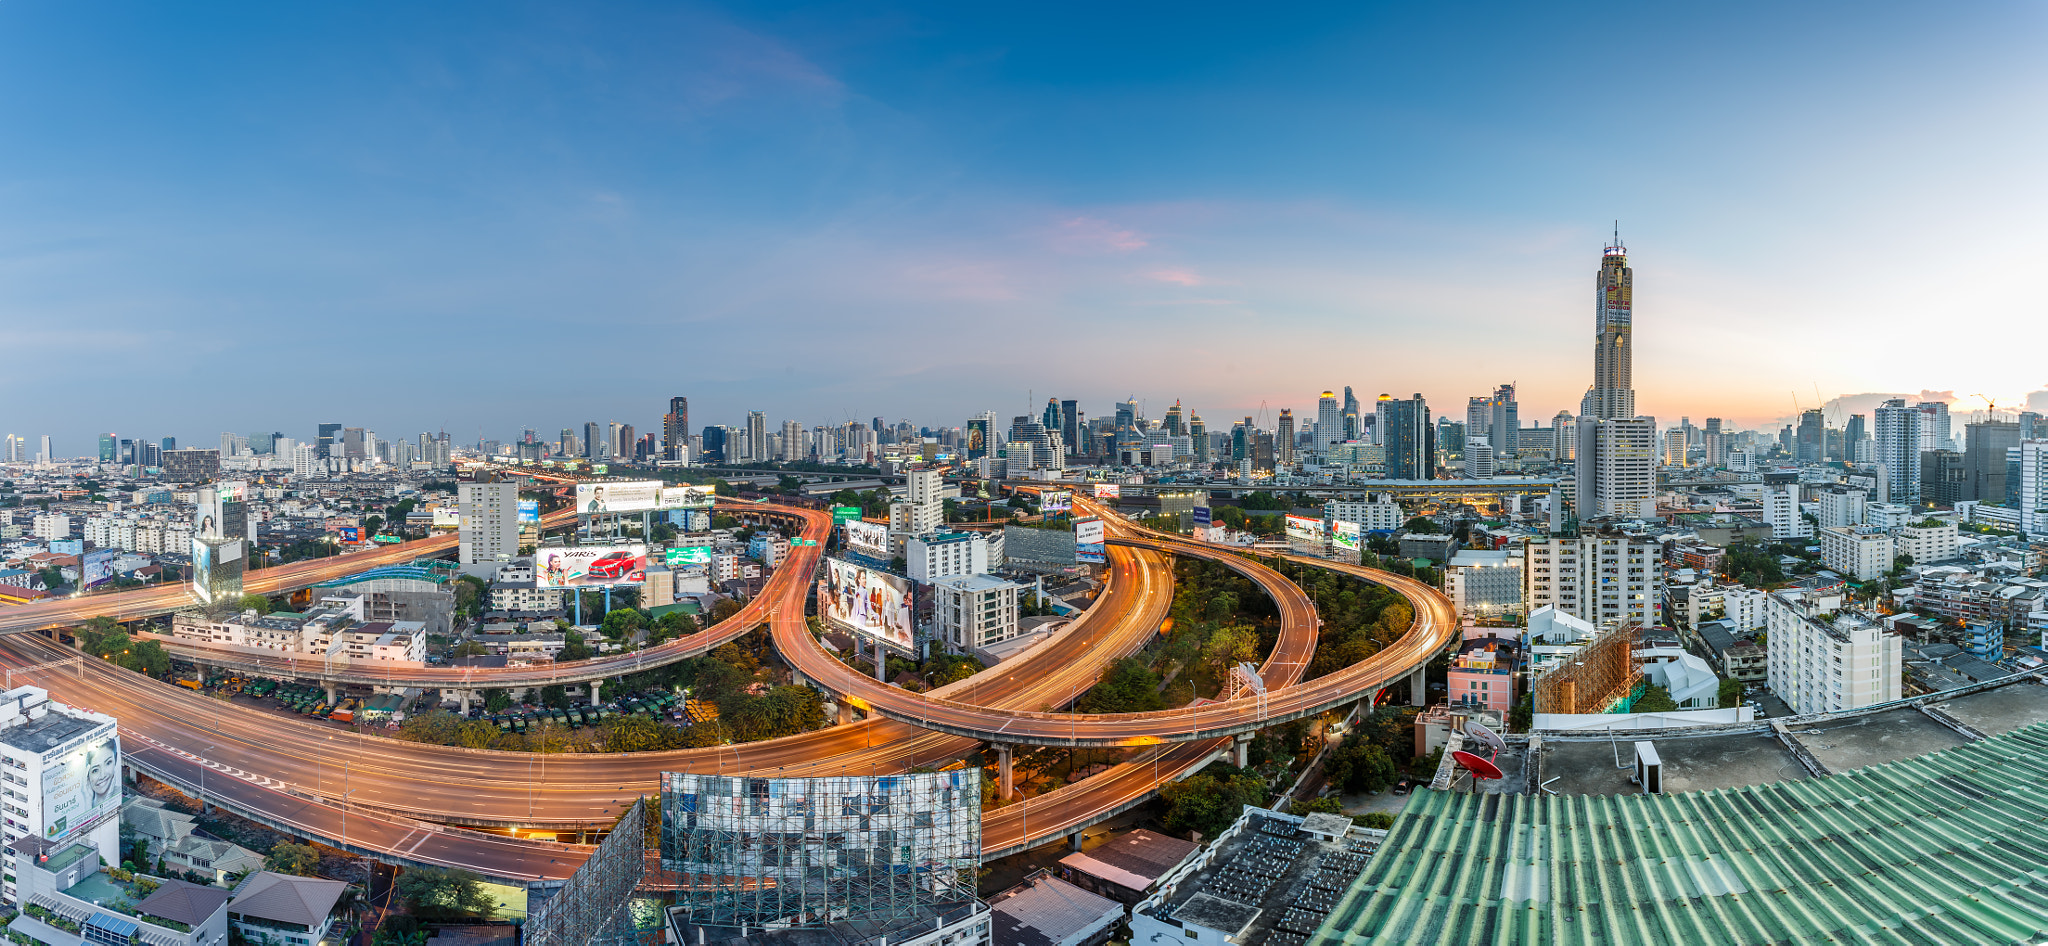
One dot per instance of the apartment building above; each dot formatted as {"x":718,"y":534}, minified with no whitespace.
{"x":1858,"y":552}
{"x":1600,"y":576}
{"x":1824,"y":658}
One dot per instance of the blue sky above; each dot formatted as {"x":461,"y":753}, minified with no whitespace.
{"x":488,"y":216}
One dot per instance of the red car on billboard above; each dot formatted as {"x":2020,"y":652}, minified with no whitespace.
{"x":614,"y":567}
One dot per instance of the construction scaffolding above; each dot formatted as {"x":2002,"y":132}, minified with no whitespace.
{"x":589,"y":907}
{"x":1598,"y":678}
{"x":847,"y":852}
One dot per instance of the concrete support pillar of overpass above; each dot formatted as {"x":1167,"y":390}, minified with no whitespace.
{"x":1418,"y":686}
{"x":1079,"y":836}
{"x":596,"y":686}
{"x":1241,"y":750}
{"x":845,"y":712}
{"x":463,"y":695}
{"x":1006,"y":778}
{"x":332,"y":692}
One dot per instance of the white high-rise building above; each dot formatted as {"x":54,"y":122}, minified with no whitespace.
{"x":1564,"y":436}
{"x":1329,"y":423}
{"x":1479,"y":458}
{"x":972,"y":611}
{"x":1935,"y":431}
{"x":757,"y":437}
{"x":63,"y":781}
{"x":2032,"y":488}
{"x":1781,"y":506}
{"x":489,"y":533}
{"x":1603,"y":577}
{"x":1823,"y":659}
{"x":1899,"y":434}
{"x":935,"y":555}
{"x":1859,"y":552}
{"x":1841,"y":506}
{"x":1616,"y":461}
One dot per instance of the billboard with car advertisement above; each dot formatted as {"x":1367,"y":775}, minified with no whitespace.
{"x":867,"y":601}
{"x":590,"y":566}
{"x":688,"y":497}
{"x":97,"y":567}
{"x":1344,"y":535}
{"x":1088,"y":542}
{"x":82,"y":787}
{"x":867,"y":538}
{"x":1108,"y":491}
{"x":1055,"y":500}
{"x":1304,"y":529}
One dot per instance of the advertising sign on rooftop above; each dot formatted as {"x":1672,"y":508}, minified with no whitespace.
{"x":81,"y":788}
{"x":1108,"y":491}
{"x":98,"y":567}
{"x":1304,"y":529}
{"x":1344,"y":534}
{"x":696,"y":555}
{"x":1088,"y":541}
{"x":1055,"y":500}
{"x":867,"y":538}
{"x":867,"y":601}
{"x":590,"y":566}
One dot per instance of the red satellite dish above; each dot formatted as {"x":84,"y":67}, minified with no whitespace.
{"x":1479,"y":766}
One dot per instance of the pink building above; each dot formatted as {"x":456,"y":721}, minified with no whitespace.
{"x":1482,"y":674}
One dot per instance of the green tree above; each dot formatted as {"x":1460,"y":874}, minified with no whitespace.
{"x":1208,"y":803}
{"x":1655,"y":699}
{"x":1360,"y":764}
{"x":53,"y":578}
{"x":469,"y":649}
{"x":1730,"y":695}
{"x":573,"y":648}
{"x":1327,"y":805}
{"x":1380,"y":820}
{"x":290,"y":858}
{"x":444,"y":893}
{"x":256,"y":603}
{"x":1422,"y":525}
{"x":554,"y":696}
{"x":620,"y":623}
{"x":1229,"y":646}
{"x":497,"y":700}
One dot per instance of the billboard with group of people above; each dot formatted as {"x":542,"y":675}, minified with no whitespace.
{"x":867,"y":601}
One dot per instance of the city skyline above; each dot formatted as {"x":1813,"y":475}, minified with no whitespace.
{"x":939,"y":215}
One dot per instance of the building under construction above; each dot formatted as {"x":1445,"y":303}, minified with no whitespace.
{"x":1600,"y":677}
{"x":840,"y":860}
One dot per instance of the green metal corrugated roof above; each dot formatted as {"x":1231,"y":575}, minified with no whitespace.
{"x":1950,"y":847}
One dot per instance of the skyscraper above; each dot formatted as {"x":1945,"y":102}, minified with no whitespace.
{"x":326,"y":441}
{"x":1283,"y":442}
{"x":1198,"y":437}
{"x":1496,"y":418}
{"x":714,"y":446}
{"x":1984,"y":447}
{"x":1350,"y":416}
{"x":1070,"y":424}
{"x":1329,"y":422}
{"x":622,"y":442}
{"x":675,"y":428}
{"x":564,"y":447}
{"x":757,"y":436}
{"x":1616,"y":464}
{"x":1898,"y":451}
{"x":1410,"y":438}
{"x":1564,"y":437}
{"x":1173,"y":420}
{"x":110,"y":448}
{"x":1935,"y":432}
{"x":593,"y":440}
{"x":1810,"y":440}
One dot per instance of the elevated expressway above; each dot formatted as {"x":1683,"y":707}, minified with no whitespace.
{"x":362,"y":793}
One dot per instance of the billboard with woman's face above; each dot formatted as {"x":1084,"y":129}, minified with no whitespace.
{"x":82,"y":787}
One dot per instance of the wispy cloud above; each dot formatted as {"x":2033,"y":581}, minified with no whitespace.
{"x":1091,"y":235}
{"x":1179,"y":276}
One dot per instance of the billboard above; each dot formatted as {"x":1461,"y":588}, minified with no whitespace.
{"x":843,"y":513}
{"x":1055,"y":500}
{"x":1088,"y":544}
{"x":697,"y":555}
{"x":529,"y":510}
{"x":67,"y":546}
{"x":97,"y":567}
{"x":1108,"y":491}
{"x":640,"y":496}
{"x":630,"y":496}
{"x":350,"y":534}
{"x":447,"y":517}
{"x":1304,"y":529}
{"x":82,"y":787}
{"x":1202,"y":514}
{"x":590,"y":566}
{"x":867,"y":601}
{"x":867,"y":538}
{"x":1345,"y":534}
{"x":977,"y":438}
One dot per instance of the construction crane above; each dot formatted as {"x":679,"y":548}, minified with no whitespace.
{"x":1990,"y":407}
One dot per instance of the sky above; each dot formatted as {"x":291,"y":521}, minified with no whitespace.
{"x":480,"y":217}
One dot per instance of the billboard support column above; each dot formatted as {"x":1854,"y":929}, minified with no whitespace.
{"x":881,"y":662}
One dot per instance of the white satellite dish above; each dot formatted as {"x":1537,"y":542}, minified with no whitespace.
{"x":1485,"y":737}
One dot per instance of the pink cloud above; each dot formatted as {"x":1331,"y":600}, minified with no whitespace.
{"x":1177,"y":276}
{"x":1087,"y":234}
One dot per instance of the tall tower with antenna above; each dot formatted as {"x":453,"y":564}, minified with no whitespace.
{"x":1616,"y":466}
